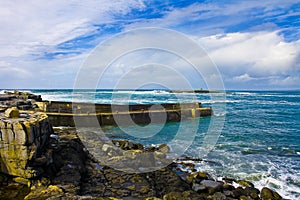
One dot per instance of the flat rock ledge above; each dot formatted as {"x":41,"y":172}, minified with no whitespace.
{"x":23,"y":138}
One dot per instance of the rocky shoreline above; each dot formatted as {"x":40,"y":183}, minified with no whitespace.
{"x":73,"y":173}
{"x":39,"y":162}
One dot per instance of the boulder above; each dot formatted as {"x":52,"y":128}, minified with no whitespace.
{"x":197,"y":177}
{"x":268,"y":194}
{"x":164,"y":148}
{"x":22,"y":141}
{"x":12,"y":113}
{"x":252,"y":192}
{"x":212,"y":186}
{"x":245,"y":183}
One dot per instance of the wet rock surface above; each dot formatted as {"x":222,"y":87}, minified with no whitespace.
{"x":73,"y":173}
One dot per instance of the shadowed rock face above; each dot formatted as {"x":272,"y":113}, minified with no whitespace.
{"x":22,"y":142}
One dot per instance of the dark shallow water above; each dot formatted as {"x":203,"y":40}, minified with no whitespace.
{"x":260,"y":139}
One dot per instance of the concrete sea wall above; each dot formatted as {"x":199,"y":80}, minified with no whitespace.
{"x":63,"y":113}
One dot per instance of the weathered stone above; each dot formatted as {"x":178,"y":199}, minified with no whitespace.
{"x":105,"y":147}
{"x":228,"y":180}
{"x":23,"y":181}
{"x":268,"y":194}
{"x":159,"y":155}
{"x":45,"y":193}
{"x":12,"y":113}
{"x":228,"y":187}
{"x":164,"y":148}
{"x":238,"y":192}
{"x":252,"y":192}
{"x":212,"y":186}
{"x":198,"y":188}
{"x":218,"y":196}
{"x":228,"y":193}
{"x":197,"y":177}
{"x":245,"y":198}
{"x":245,"y":183}
{"x":14,"y":191}
{"x":22,"y":141}
{"x":173,"y":196}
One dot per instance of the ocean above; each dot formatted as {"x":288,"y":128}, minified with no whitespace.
{"x":259,"y":141}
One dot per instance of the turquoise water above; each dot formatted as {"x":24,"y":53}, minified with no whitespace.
{"x":260,"y":139}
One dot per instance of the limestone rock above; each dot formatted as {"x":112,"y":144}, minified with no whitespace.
{"x":245,"y":183}
{"x":173,"y":196}
{"x":212,"y":186}
{"x":198,"y":188}
{"x":14,"y":191}
{"x":268,"y":194}
{"x":164,"y":148}
{"x":245,"y":198}
{"x":218,"y":196}
{"x":22,"y":140}
{"x":45,"y":193}
{"x":252,"y":192}
{"x":12,"y":113}
{"x":197,"y":177}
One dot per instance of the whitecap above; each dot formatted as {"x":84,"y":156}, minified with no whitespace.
{"x":245,"y":93}
{"x":219,"y":114}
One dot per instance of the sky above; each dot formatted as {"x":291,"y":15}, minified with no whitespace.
{"x":254,"y":44}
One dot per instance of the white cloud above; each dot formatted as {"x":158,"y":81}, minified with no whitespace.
{"x":243,"y":78}
{"x":30,"y":29}
{"x":257,"y":58}
{"x":257,"y":53}
{"x":31,"y":25}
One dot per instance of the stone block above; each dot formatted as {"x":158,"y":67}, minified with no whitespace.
{"x":12,"y":113}
{"x":22,"y":140}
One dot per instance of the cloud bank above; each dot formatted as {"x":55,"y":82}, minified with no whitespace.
{"x":255,"y":44}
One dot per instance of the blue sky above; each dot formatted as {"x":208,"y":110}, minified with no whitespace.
{"x":255,"y":44}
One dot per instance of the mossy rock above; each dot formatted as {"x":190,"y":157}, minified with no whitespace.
{"x":245,"y":183}
{"x":12,"y":113}
{"x":197,"y":177}
{"x":52,"y":191}
{"x":252,"y":192}
{"x":173,"y":196}
{"x":268,"y":194}
{"x":244,"y":198}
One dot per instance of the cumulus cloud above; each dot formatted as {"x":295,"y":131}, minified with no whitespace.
{"x":243,"y":78}
{"x":253,"y":56}
{"x":256,"y":59}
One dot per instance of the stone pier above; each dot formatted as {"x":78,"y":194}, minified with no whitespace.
{"x":88,"y":114}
